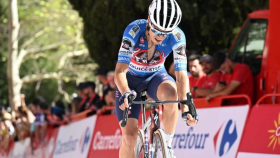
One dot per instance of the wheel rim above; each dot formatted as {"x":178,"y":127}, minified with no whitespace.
{"x":138,"y":147}
{"x":158,"y":147}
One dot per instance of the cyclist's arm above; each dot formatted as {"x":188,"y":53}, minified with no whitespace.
{"x":130,"y":35}
{"x":182,"y":83}
{"x":180,"y":63}
{"x":120,"y":77}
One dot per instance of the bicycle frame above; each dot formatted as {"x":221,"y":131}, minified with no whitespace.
{"x":153,"y":121}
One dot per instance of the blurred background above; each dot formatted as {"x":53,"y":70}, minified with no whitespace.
{"x":57,"y":58}
{"x":62,"y":42}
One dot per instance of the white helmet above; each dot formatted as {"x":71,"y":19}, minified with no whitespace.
{"x":165,"y":14}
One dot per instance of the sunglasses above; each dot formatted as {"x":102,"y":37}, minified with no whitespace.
{"x":157,"y":32}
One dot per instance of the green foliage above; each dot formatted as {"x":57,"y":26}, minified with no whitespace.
{"x":3,"y":50}
{"x":56,"y":22}
{"x":42,"y":23}
{"x":104,"y":23}
{"x":208,"y":25}
{"x":211,"y":25}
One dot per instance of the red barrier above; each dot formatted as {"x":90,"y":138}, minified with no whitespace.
{"x":262,"y":132}
{"x":106,"y":137}
{"x":46,"y":148}
{"x":80,"y":115}
{"x":217,"y":102}
{"x":265,"y":97}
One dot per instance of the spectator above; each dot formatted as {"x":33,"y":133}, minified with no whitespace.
{"x":195,"y":70}
{"x":74,"y":105}
{"x":22,"y":126}
{"x":92,"y":98}
{"x":59,"y":104}
{"x":81,"y":86}
{"x":102,"y":76}
{"x":52,"y":114}
{"x":40,"y":120}
{"x":241,"y":81}
{"x":6,"y":130}
{"x":82,"y":94}
{"x":207,"y":83}
{"x":110,"y":96}
{"x":4,"y":138}
{"x":169,"y":65}
{"x":4,"y":115}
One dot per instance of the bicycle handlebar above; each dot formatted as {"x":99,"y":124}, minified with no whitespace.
{"x":188,"y":102}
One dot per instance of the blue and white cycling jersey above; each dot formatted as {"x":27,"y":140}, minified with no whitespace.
{"x":134,"y":52}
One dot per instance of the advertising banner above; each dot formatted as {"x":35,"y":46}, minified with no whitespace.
{"x":217,"y":134}
{"x":107,"y":138}
{"x":49,"y":147}
{"x":261,"y":138}
{"x":20,"y":148}
{"x":45,"y":149}
{"x":74,"y":140}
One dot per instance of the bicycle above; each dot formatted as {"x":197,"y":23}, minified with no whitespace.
{"x":156,"y":146}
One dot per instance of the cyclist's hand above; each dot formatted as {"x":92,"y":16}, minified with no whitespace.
{"x":191,"y":121}
{"x":123,"y":101}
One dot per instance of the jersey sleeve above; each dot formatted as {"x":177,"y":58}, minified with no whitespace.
{"x":130,"y":35}
{"x":179,"y":50}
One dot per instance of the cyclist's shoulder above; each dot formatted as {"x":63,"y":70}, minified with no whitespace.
{"x":137,"y":25}
{"x":133,"y":29}
{"x":139,"y":22}
{"x":178,"y":37}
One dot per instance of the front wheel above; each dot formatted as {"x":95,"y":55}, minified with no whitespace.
{"x":139,"y":148}
{"x":160,"y":145}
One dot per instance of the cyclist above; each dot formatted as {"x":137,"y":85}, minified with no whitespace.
{"x":140,"y":66}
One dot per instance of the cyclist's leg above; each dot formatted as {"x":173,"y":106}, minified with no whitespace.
{"x":130,"y":131}
{"x":163,"y":87}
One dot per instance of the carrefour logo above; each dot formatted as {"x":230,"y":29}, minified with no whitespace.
{"x":85,"y":140}
{"x":224,"y":140}
{"x":190,"y":140}
{"x":72,"y":143}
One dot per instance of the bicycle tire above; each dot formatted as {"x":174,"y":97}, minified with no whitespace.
{"x":160,"y":145}
{"x":139,"y":148}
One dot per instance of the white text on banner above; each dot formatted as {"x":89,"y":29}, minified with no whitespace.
{"x":217,"y":134}
{"x":74,"y":139}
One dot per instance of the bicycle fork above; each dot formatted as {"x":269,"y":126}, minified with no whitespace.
{"x":148,"y":149}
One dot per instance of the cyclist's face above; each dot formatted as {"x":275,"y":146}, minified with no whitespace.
{"x":157,"y":35}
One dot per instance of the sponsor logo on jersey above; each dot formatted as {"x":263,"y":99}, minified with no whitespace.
{"x":141,"y":45}
{"x":182,"y":59}
{"x":124,"y":52}
{"x":134,"y":30}
{"x":142,"y":40}
{"x":181,"y":50}
{"x":140,"y":58}
{"x":145,"y":68}
{"x":177,"y":35}
{"x":126,"y":44}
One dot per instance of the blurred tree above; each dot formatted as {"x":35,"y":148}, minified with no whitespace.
{"x":104,"y":23}
{"x":49,"y":47}
{"x":211,"y":25}
{"x":3,"y":50}
{"x":208,"y":25}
